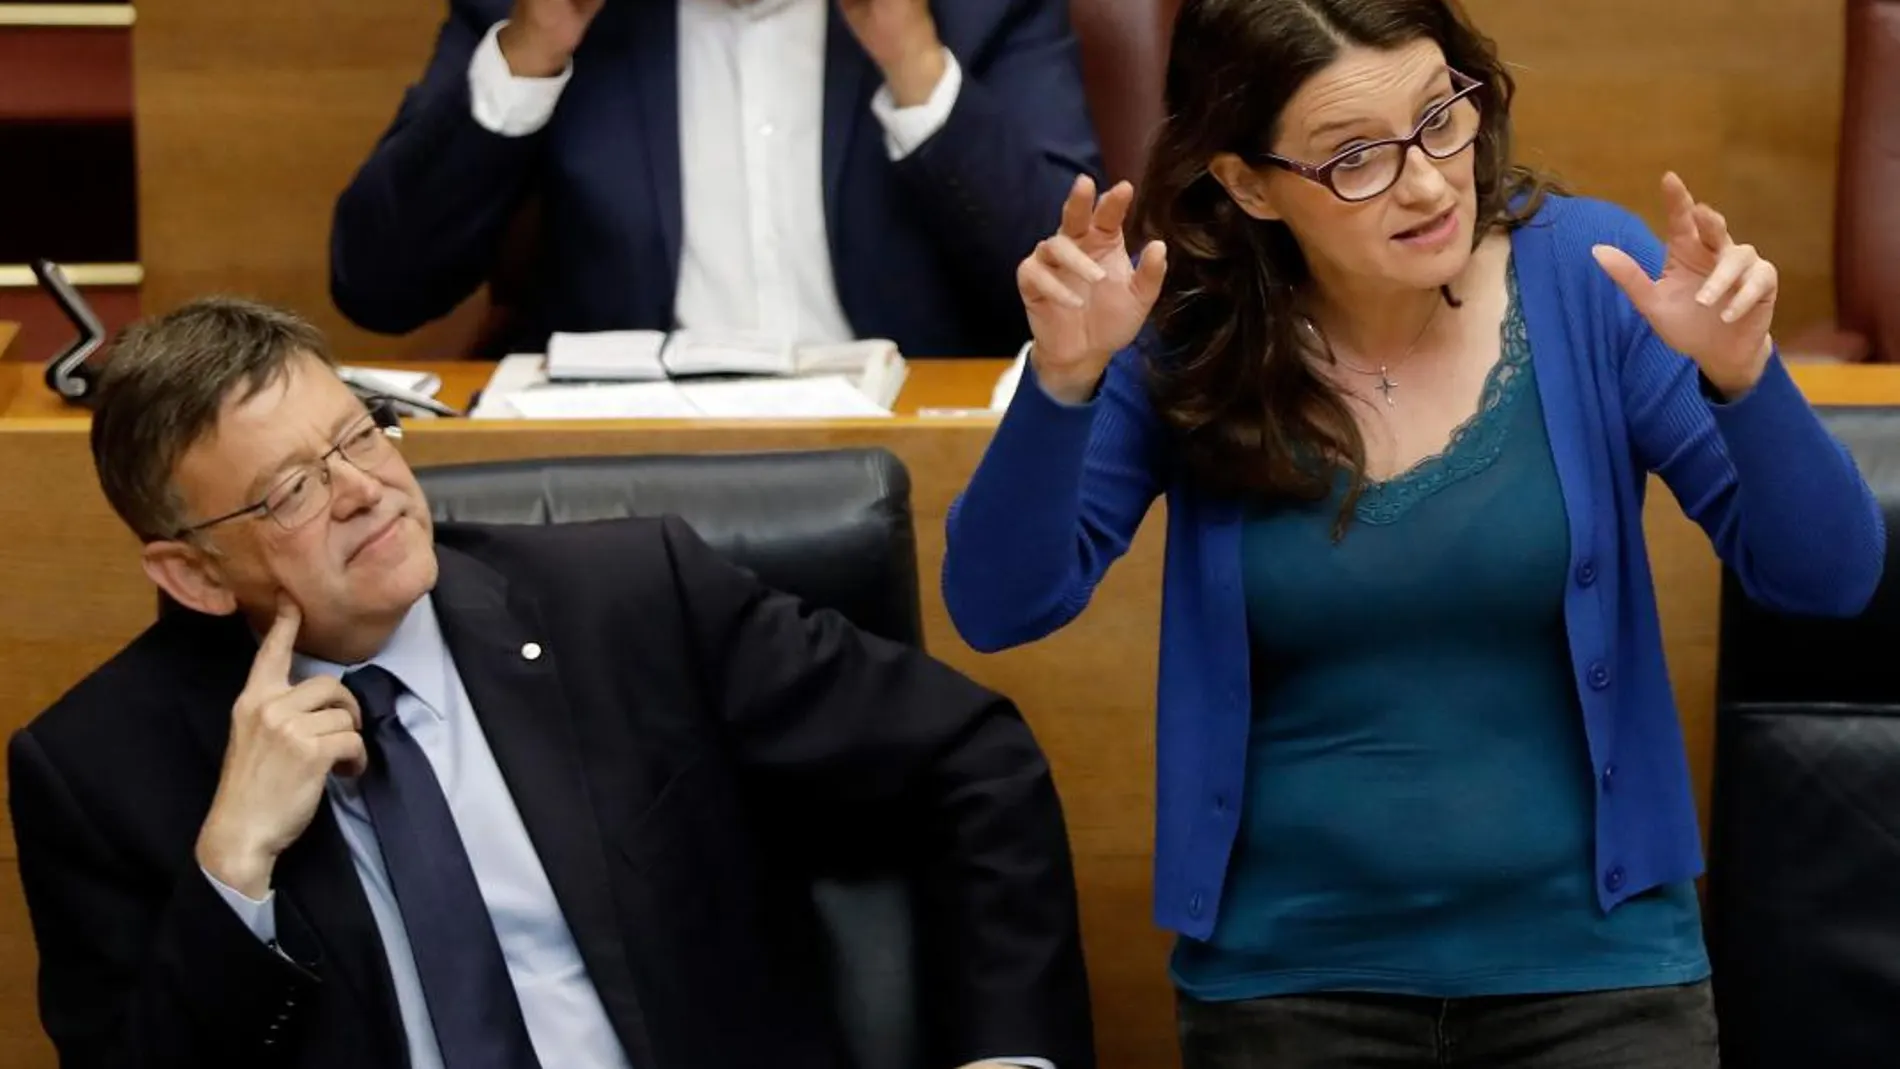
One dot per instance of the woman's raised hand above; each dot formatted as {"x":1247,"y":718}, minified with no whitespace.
{"x":1085,"y":297}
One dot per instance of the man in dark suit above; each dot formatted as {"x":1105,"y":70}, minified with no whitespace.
{"x":813,"y":170}
{"x":383,"y":793}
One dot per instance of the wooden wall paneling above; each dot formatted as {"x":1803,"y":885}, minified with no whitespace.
{"x":44,"y":331}
{"x":253,"y":116}
{"x":1740,"y":97}
{"x":68,"y":183}
{"x":65,"y":73}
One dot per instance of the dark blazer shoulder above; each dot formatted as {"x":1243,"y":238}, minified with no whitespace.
{"x":182,"y":657}
{"x":612,"y":562}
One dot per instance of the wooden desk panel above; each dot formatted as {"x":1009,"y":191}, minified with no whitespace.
{"x":8,"y":331}
{"x":939,"y":384}
{"x":74,"y":595}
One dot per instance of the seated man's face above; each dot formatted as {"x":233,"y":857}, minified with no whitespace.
{"x":354,"y":565}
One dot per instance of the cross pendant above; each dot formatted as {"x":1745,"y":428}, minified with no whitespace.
{"x":1386,"y":386}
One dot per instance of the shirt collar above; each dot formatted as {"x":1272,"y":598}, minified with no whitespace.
{"x":416,"y":654}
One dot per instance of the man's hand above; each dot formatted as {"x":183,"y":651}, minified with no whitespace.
{"x":901,"y":37}
{"x":284,"y":741}
{"x":541,"y":35}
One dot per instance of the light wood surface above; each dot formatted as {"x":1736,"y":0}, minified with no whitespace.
{"x":252,"y":117}
{"x":7,"y":333}
{"x":74,"y":595}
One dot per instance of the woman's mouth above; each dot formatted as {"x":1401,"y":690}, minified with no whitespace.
{"x":1432,"y":233}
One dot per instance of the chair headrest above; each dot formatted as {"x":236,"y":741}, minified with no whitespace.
{"x":831,"y":527}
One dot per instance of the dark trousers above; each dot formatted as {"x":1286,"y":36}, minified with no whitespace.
{"x":1640,"y":1028}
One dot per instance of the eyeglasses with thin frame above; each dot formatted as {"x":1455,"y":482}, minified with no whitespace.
{"x":1362,"y":171}
{"x":302,"y":494}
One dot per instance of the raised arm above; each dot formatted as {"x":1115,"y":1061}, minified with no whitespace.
{"x":417,"y":230}
{"x":1079,"y":456}
{"x":1712,"y":409}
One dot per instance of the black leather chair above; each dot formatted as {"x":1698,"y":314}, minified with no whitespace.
{"x":1804,"y":883}
{"x":833,"y":528}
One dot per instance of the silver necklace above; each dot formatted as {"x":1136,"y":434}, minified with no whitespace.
{"x":1386,"y":383}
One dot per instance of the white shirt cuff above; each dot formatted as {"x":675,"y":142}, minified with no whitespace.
{"x":1027,"y":1063}
{"x":260,"y":916}
{"x":504,"y":103}
{"x":905,"y":129}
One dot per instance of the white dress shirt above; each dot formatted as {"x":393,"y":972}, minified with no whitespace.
{"x":755,"y":254}
{"x":566,"y":1022}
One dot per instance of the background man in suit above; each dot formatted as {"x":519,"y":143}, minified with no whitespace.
{"x":811,"y":169}
{"x":486,"y":795}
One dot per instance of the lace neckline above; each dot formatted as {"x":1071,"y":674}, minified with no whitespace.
{"x":1476,"y":443}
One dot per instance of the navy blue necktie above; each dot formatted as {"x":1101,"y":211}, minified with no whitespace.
{"x":471,"y":1000}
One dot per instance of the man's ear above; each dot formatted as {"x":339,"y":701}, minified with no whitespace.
{"x":192,"y":577}
{"x":1245,"y":185}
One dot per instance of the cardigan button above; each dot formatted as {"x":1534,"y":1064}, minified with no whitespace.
{"x":1586,"y":572}
{"x":1599,"y":676}
{"x":1613,"y":879}
{"x":1194,"y":904}
{"x":1609,"y":777}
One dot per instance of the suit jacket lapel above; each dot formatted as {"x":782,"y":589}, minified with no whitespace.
{"x":315,"y":880}
{"x":850,"y":81}
{"x":652,"y":29}
{"x":523,"y":711}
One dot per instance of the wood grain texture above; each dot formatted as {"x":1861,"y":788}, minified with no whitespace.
{"x":76,"y":595}
{"x":8,"y":332}
{"x":1740,"y":97}
{"x":65,"y":73}
{"x":252,"y":117}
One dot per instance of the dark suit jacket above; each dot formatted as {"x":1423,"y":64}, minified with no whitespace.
{"x":924,"y":250}
{"x":689,"y":747}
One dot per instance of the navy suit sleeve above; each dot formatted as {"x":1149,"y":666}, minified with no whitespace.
{"x":417,"y":229}
{"x":133,"y":976}
{"x":862,"y":750}
{"x":991,"y":181}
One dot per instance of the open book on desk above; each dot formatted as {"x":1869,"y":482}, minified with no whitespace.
{"x":650,"y":356}
{"x":872,"y":369}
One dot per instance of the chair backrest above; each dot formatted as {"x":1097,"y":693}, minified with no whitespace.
{"x":1867,"y":215}
{"x":1804,"y":882}
{"x":1124,"y":67}
{"x":833,"y":528}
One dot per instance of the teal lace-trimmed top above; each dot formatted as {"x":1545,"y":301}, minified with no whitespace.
{"x":1418,"y":811}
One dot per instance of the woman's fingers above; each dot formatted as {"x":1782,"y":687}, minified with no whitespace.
{"x":1111,"y":214}
{"x":1681,"y":207}
{"x":1730,"y":266}
{"x":1758,"y":284}
{"x":1037,"y":281}
{"x":1061,"y":252}
{"x":1712,"y":228}
{"x":1079,"y":207}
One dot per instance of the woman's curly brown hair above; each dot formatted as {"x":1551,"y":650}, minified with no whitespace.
{"x":1231,"y":373}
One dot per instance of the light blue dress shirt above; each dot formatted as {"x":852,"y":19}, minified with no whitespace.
{"x":565,"y":1018}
